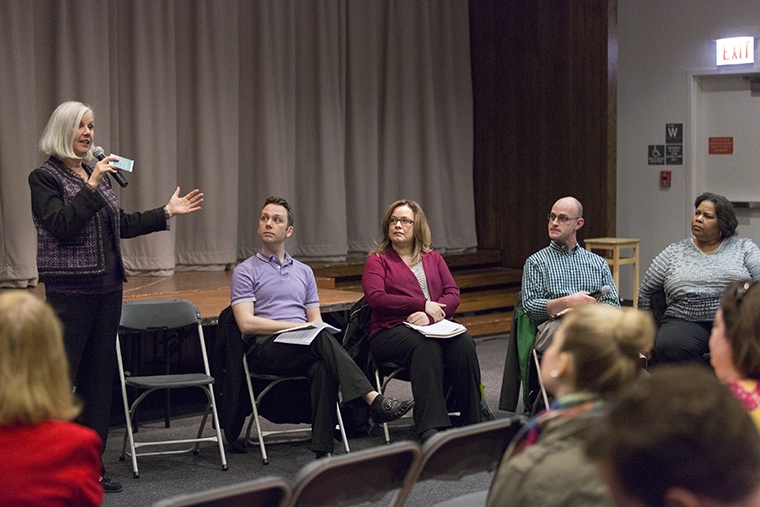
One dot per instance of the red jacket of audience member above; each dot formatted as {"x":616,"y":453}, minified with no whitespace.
{"x":53,"y":463}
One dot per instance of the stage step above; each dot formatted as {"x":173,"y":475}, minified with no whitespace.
{"x":491,"y":323}
{"x":487,"y":290}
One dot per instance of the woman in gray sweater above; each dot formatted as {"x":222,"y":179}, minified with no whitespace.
{"x":693,"y":274}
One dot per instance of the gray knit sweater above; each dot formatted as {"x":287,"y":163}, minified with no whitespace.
{"x":694,"y":281}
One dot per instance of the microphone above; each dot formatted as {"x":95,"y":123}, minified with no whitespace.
{"x":601,"y":292}
{"x":98,"y":152}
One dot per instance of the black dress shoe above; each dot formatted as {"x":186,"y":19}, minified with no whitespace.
{"x":110,"y":487}
{"x":389,"y":410}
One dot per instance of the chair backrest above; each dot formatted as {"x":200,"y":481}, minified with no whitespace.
{"x":356,"y":335}
{"x":264,"y":492}
{"x":453,"y":454}
{"x":159,"y":313}
{"x":163,"y":314}
{"x":363,"y":476}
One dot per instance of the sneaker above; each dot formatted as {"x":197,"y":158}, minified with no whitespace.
{"x":110,"y":487}
{"x":390,"y":410}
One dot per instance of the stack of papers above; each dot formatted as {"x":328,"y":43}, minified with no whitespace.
{"x":441,"y":329}
{"x":304,"y":335}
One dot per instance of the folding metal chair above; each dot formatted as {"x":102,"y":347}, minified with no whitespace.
{"x":453,"y":454}
{"x":363,"y":476}
{"x":273,"y":380}
{"x":264,"y":492}
{"x":165,"y":314}
{"x":390,"y":371}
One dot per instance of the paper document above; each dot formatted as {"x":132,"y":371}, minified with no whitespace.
{"x":303,"y":335}
{"x":441,"y":329}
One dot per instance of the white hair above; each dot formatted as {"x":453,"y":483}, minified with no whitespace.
{"x":58,"y":137}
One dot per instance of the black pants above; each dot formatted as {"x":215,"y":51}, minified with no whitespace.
{"x":434,"y":365}
{"x":326,"y":365}
{"x":681,"y":341}
{"x":90,"y":324}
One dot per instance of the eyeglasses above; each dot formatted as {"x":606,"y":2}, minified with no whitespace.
{"x":563,"y":219}
{"x":404,"y":221}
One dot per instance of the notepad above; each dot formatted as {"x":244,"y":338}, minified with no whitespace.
{"x":304,"y":335}
{"x":441,"y":329}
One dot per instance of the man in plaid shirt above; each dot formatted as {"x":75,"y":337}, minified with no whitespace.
{"x":562,"y":275}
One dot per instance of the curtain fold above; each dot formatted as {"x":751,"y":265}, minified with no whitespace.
{"x":340,"y":107}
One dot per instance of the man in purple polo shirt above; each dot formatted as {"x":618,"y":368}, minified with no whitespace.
{"x":284,"y":294}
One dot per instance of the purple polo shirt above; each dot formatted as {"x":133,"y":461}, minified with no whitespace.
{"x":279,"y":291}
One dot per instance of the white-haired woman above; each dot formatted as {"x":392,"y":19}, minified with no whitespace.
{"x":79,"y":227}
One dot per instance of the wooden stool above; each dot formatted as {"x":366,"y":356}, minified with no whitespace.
{"x":614,"y":245}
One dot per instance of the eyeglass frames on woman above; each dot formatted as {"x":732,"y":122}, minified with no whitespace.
{"x":563,"y":219}
{"x":404,"y":221}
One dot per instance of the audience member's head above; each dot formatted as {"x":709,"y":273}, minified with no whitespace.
{"x":679,"y":438}
{"x":565,"y":219}
{"x":724,"y":211}
{"x":420,"y":227}
{"x":735,"y":338}
{"x":596,"y":349}
{"x":34,"y":372}
{"x":279,"y":201}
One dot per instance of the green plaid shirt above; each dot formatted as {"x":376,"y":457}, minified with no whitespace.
{"x":555,"y":272}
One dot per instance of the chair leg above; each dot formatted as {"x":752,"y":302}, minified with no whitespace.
{"x":255,"y":415}
{"x":128,"y":415}
{"x":217,"y":427}
{"x":197,"y":447}
{"x":381,"y":390}
{"x":342,"y":430}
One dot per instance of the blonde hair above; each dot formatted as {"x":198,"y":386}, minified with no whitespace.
{"x":421,"y":230}
{"x":605,"y":344}
{"x":58,"y":137}
{"x":34,"y":371}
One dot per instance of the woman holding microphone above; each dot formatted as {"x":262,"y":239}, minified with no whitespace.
{"x":79,"y":226}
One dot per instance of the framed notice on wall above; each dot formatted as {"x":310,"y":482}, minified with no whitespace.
{"x":721,"y":145}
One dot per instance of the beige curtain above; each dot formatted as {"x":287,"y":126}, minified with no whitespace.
{"x":341,"y":107}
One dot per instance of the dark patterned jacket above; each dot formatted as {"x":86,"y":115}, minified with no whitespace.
{"x":72,"y":236}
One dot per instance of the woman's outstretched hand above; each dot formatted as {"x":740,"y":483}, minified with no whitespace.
{"x":187,"y":204}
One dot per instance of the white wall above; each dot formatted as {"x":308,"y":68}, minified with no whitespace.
{"x":662,"y":43}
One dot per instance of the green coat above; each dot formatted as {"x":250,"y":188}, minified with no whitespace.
{"x":552,"y":472}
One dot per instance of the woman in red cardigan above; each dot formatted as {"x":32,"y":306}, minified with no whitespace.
{"x":405,"y":281}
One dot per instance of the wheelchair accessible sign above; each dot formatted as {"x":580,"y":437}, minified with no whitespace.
{"x":656,"y":154}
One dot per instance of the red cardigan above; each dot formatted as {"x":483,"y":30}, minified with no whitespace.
{"x":53,"y":463}
{"x":394,"y":293}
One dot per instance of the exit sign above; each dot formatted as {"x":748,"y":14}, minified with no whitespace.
{"x":735,"y":51}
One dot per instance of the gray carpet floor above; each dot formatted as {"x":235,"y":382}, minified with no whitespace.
{"x":165,"y":476}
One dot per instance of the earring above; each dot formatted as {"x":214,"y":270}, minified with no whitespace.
{"x":553,"y":373}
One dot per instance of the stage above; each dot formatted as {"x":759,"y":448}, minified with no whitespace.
{"x":210,"y":291}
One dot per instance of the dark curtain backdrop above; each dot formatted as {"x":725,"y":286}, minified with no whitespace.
{"x":341,"y":107}
{"x":544,"y":76}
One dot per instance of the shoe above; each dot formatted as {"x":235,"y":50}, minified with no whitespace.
{"x":389,"y":410}
{"x":110,"y":487}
